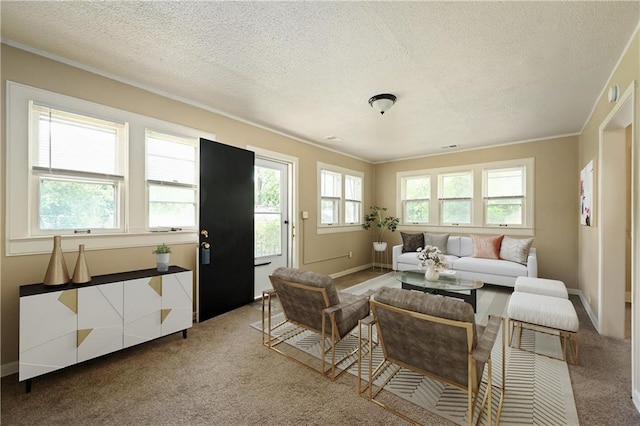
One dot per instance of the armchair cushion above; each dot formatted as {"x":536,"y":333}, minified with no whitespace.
{"x":304,"y":307}
{"x":433,"y":347}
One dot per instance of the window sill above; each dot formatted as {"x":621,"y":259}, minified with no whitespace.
{"x":44,"y":244}
{"x":338,"y":229}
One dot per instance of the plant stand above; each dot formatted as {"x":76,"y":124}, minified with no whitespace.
{"x":382,"y":256}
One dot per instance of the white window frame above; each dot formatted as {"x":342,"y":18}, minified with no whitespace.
{"x":522,"y":196}
{"x":442,"y":199}
{"x":189,"y":141}
{"x":40,"y":172}
{"x":403,"y":178}
{"x":20,"y":237}
{"x":478,"y":211}
{"x":341,"y":226}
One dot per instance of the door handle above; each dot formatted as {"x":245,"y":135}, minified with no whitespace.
{"x":205,"y":253}
{"x":204,"y":233}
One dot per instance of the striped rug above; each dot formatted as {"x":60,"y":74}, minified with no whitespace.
{"x":538,"y":387}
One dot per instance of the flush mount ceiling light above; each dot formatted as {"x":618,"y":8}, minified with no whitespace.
{"x":382,"y":102}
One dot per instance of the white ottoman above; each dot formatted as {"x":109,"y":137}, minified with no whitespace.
{"x":547,"y":312}
{"x":542,"y":286}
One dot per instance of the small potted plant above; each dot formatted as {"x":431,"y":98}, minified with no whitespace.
{"x":162,"y":253}
{"x":375,"y":218}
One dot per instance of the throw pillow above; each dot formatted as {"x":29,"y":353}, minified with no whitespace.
{"x":411,"y":242}
{"x":487,"y":247}
{"x":516,"y":249}
{"x":437,"y":240}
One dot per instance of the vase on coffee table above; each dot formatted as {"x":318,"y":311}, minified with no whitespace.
{"x":431,"y":274}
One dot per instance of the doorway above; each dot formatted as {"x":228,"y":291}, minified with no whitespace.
{"x":613,"y":233}
{"x":271,"y":213}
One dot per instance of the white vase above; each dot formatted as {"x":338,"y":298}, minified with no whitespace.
{"x":431,"y":274}
{"x":380,"y":246}
{"x":162,"y":261}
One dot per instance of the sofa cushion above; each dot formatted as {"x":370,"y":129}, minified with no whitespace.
{"x":437,"y":240}
{"x":453,"y":245}
{"x":466,"y":246}
{"x":487,"y":247}
{"x":411,"y":242}
{"x":515,"y":249}
{"x":490,"y":266}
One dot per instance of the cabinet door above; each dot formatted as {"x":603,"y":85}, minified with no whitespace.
{"x":48,"y":324}
{"x":177,"y":302}
{"x":100,"y":320}
{"x":142,"y":304}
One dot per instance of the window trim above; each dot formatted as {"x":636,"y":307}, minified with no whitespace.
{"x":19,"y":239}
{"x":341,"y":226}
{"x":477,"y":222}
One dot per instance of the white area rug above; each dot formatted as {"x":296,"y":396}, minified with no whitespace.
{"x":538,"y":388}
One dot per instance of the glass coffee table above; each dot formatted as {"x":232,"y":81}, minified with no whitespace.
{"x":447,"y":285}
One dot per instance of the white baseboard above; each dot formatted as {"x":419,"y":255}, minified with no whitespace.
{"x":8,"y":369}
{"x":356,"y":269}
{"x":587,"y":307}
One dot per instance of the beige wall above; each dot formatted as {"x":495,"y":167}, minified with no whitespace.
{"x":588,"y":241}
{"x":323,"y":253}
{"x":556,"y":196}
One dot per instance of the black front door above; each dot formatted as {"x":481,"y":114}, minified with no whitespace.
{"x":226,"y":225}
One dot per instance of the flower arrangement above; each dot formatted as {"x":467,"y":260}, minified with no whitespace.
{"x":432,"y":256}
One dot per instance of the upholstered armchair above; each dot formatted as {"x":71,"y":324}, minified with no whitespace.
{"x":310,"y":301}
{"x":435,"y":336}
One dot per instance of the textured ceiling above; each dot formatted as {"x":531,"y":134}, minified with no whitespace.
{"x":471,"y":74}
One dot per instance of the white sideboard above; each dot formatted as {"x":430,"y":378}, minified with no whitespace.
{"x":64,"y":325}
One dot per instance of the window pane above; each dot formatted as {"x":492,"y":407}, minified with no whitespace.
{"x":457,"y":186}
{"x":456,"y":211}
{"x":267,"y":190}
{"x":171,"y":159}
{"x":504,"y":211}
{"x":417,"y":188}
{"x":329,"y":211}
{"x":505,"y":182}
{"x":74,"y":142}
{"x":268,"y":234}
{"x":329,"y":184}
{"x":351,"y":212}
{"x":171,"y":206}
{"x":416,"y":211}
{"x":68,"y":204}
{"x":352,"y":188}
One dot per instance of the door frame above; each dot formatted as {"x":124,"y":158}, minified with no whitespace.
{"x":625,"y":112}
{"x":292,"y":171}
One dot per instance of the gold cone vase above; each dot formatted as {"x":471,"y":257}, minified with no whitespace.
{"x":81,"y":273}
{"x":57,"y":273}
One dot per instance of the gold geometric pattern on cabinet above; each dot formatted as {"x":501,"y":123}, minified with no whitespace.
{"x":83,"y":334}
{"x":69,"y":298}
{"x":163,"y":314}
{"x":156,"y":284}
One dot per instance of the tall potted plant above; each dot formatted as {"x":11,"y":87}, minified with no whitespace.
{"x":376,"y":219}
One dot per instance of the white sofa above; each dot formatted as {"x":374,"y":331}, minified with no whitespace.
{"x":459,"y":251}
